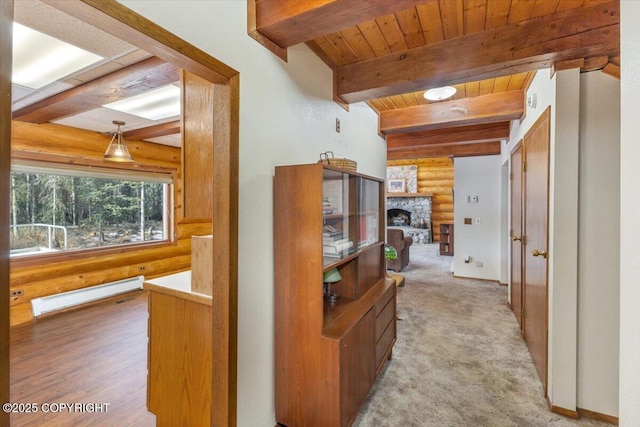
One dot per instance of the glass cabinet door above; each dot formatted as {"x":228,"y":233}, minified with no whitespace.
{"x":368,"y":212}
{"x":339,"y":237}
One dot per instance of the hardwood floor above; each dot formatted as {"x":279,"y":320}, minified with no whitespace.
{"x":95,"y":354}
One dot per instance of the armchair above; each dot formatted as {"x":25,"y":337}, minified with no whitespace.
{"x":397,"y":239}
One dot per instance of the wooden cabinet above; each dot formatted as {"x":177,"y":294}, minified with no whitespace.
{"x":180,"y":352}
{"x":446,"y":239}
{"x":328,"y":354}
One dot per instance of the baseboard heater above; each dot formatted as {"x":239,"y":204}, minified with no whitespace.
{"x":48,"y":304}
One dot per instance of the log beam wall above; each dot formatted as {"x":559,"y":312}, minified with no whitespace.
{"x":75,"y":272}
{"x":435,"y":176}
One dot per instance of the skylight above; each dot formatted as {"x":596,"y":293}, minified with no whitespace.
{"x":155,"y":104}
{"x":39,"y":59}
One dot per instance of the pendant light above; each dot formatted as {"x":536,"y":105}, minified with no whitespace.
{"x":117,"y":151}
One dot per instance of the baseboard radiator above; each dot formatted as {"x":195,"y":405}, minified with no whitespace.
{"x":51,"y":303}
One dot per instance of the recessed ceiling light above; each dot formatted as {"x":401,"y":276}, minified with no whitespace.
{"x":440,"y":93}
{"x":155,"y":104}
{"x":39,"y":59}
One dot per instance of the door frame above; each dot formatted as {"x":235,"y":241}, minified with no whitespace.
{"x":122,"y":22}
{"x":518,"y":146}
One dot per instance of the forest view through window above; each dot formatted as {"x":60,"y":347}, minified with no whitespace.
{"x":54,"y":210}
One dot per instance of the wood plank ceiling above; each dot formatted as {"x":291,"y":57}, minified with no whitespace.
{"x":388,"y":52}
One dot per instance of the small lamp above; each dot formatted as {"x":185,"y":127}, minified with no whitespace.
{"x":329,"y":277}
{"x":117,"y":151}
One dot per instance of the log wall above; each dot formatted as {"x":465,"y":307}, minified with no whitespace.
{"x":435,"y":176}
{"x":74,"y":271}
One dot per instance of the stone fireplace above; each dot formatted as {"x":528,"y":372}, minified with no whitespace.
{"x":411,"y":213}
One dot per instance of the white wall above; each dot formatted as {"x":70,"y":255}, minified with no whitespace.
{"x":598,"y":243}
{"x":563,"y":241}
{"x":286,"y":117}
{"x":477,"y":176}
{"x":629,"y":215}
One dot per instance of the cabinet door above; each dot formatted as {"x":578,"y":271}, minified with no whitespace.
{"x":357,"y":366}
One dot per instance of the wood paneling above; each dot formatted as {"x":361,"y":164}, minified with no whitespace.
{"x":6,"y":28}
{"x":163,"y":129}
{"x":511,"y":49}
{"x":197,"y":150}
{"x":463,"y":150}
{"x":430,"y":172}
{"x":75,"y":271}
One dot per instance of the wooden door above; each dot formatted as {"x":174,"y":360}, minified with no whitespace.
{"x":536,"y":171}
{"x":516,"y":234}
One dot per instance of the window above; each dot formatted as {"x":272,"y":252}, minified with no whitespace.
{"x":56,"y":208}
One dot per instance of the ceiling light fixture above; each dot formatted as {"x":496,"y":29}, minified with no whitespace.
{"x":156,"y":104}
{"x":39,"y":59}
{"x":117,"y":151}
{"x":440,"y":93}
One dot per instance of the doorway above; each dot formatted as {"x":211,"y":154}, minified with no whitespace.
{"x":116,"y":19}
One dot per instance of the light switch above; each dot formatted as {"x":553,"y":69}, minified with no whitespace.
{"x":478,"y":220}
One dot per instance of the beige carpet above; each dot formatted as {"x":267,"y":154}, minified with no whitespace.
{"x":459,"y":359}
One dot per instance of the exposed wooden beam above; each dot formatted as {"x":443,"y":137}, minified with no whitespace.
{"x":492,"y":108}
{"x":448,"y":136}
{"x":163,"y":129}
{"x":286,"y":22}
{"x":525,"y":46}
{"x":129,"y":81}
{"x":259,"y":37}
{"x":612,"y":70}
{"x":465,"y":150}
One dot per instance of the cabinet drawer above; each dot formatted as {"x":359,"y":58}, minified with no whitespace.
{"x":385,"y":341}
{"x":384,"y":299}
{"x":384,"y":318}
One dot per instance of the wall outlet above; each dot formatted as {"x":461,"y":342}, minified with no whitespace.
{"x":337,"y":125}
{"x":478,"y":263}
{"x":478,"y":221}
{"x":17,"y":292}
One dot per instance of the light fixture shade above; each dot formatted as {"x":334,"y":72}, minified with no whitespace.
{"x":331,"y":276}
{"x":440,"y":93}
{"x":117,"y":151}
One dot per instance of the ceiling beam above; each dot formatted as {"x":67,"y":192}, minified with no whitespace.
{"x":464,"y":150}
{"x":524,"y":46}
{"x":448,"y":136}
{"x":492,"y":108}
{"x":163,"y":129}
{"x":286,"y":22}
{"x":126,"y":82}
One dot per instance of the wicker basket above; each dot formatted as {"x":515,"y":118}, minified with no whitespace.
{"x":346,"y":164}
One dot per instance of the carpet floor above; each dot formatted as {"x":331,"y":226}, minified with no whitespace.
{"x":459,"y":359}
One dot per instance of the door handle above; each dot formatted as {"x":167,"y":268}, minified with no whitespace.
{"x":541,"y":253}
{"x":516,"y":238}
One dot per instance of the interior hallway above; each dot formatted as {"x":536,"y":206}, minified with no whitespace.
{"x":459,"y":359}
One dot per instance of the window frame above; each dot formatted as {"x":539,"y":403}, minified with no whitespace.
{"x":66,"y":163}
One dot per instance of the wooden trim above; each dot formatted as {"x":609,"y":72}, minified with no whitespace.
{"x":479,"y":149}
{"x":564,"y":412}
{"x":6,"y":30}
{"x":462,"y":134}
{"x":122,"y":22}
{"x":612,"y":70}
{"x":585,"y":413}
